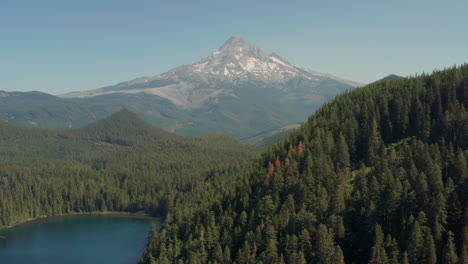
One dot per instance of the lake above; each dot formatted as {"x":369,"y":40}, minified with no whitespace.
{"x":80,"y":239}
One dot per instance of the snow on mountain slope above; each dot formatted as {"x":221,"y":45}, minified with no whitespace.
{"x":191,"y":86}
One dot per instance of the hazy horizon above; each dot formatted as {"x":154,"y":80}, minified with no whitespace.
{"x":58,"y":47}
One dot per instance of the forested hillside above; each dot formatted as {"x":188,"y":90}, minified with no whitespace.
{"x":378,"y":175}
{"x":117,"y":164}
{"x":122,"y":129}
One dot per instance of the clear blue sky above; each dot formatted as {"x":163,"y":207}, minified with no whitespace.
{"x":62,"y":46}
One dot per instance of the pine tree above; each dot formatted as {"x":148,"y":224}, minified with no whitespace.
{"x":342,"y":153}
{"x":298,"y":258}
{"x":374,"y":147}
{"x":392,"y":249}
{"x":430,"y":254}
{"x":378,"y":253}
{"x":325,"y":246}
{"x":270,"y":255}
{"x":449,"y":255}
{"x":338,"y":257}
{"x":460,"y":168}
{"x":244,"y":255}
{"x":193,"y":258}
{"x":227,"y":255}
{"x":217,"y":255}
{"x":416,"y":243}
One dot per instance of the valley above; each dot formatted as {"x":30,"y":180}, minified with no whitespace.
{"x":233,"y":132}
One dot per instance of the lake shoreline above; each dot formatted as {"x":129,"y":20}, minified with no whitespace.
{"x":110,"y":213}
{"x":98,"y":238}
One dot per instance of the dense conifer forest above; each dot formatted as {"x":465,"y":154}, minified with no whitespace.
{"x":378,"y":175}
{"x":118,"y":164}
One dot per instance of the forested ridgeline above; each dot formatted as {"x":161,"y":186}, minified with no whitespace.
{"x":44,"y":172}
{"x":378,"y":175}
{"x":30,"y":145}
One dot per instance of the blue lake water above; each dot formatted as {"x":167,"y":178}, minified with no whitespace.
{"x":79,"y":239}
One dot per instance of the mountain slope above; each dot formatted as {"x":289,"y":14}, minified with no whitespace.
{"x":268,"y":138}
{"x":236,"y":61}
{"x":31,"y":145}
{"x":378,"y":175}
{"x":147,"y":178}
{"x":238,"y":90}
{"x":120,"y":163}
{"x":38,"y":109}
{"x":122,"y":128}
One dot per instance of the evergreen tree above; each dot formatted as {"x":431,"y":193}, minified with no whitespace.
{"x":416,"y":243}
{"x":325,"y":246}
{"x":378,"y":253}
{"x":449,"y":255}
{"x":338,"y":257}
{"x":430,"y":254}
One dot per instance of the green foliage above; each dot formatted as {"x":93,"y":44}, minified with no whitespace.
{"x":377,"y":175}
{"x":122,"y":128}
{"x":378,"y":171}
{"x":449,"y":255}
{"x":378,"y":253}
{"x":87,"y":175}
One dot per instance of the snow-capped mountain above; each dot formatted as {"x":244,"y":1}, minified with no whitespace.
{"x":190,"y":86}
{"x":238,"y":90}
{"x":238,"y":60}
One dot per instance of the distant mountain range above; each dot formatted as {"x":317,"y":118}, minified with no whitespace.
{"x":238,"y":90}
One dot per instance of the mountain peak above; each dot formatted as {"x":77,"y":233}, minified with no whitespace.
{"x":238,"y":46}
{"x":235,"y":43}
{"x":235,"y":40}
{"x":235,"y":62}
